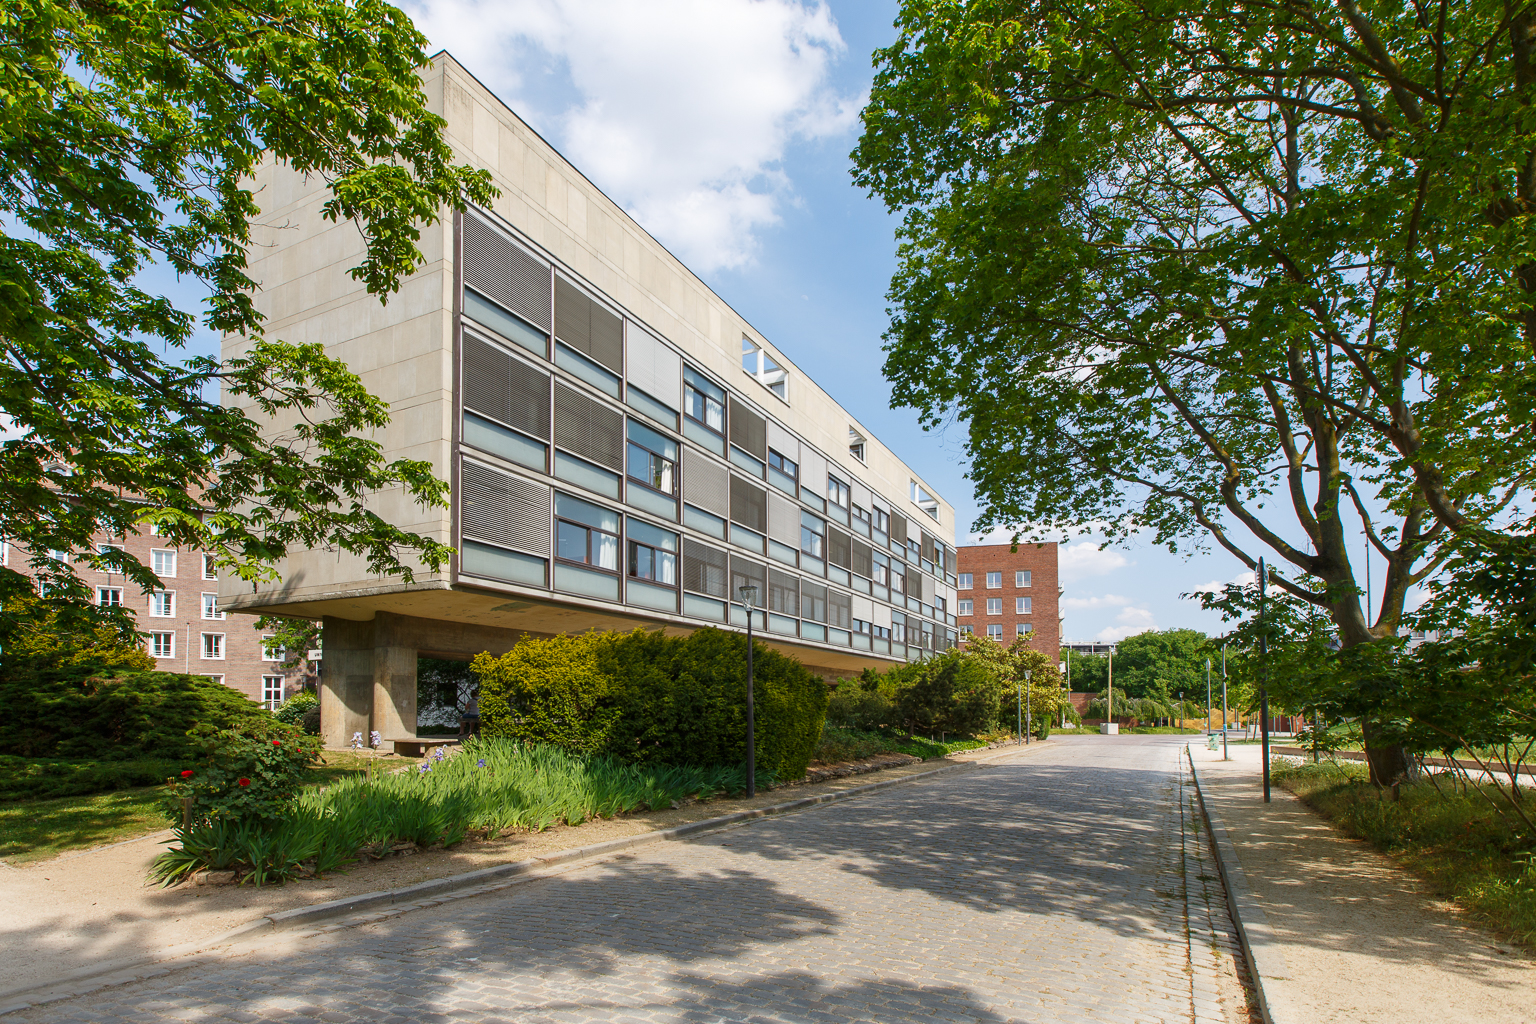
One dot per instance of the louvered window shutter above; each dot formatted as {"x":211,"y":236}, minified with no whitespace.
{"x":704,"y":569}
{"x":899,"y":529}
{"x":485,"y":379}
{"x":588,"y":429}
{"x":839,"y":551}
{"x":749,"y":505}
{"x":745,"y":572}
{"x":749,"y":431}
{"x":862,"y":561}
{"x":839,"y":610}
{"x":783,"y":519}
{"x":706,"y":484}
{"x":505,"y":509}
{"x":587,"y":327}
{"x":503,"y":270}
{"x":783,"y":593}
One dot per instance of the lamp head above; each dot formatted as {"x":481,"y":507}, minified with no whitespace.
{"x":1027,"y":674}
{"x":748,"y":595}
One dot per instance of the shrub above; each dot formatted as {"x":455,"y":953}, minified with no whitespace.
{"x":73,"y":713}
{"x":850,"y":745}
{"x":24,"y":778}
{"x":1043,"y":728}
{"x":952,"y":694}
{"x":251,"y":774}
{"x":294,"y":709}
{"x":647,"y":698}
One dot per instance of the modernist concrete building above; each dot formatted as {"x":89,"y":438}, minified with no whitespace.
{"x":624,"y":448}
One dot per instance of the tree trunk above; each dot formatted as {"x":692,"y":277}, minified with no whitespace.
{"x":1389,"y":763}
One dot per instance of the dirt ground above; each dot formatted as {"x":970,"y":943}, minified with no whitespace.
{"x":1364,"y":941}
{"x":84,"y":908}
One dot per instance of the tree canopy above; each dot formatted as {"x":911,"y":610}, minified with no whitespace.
{"x":128,"y":134}
{"x":1192,"y":268}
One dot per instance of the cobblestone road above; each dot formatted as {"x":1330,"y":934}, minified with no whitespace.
{"x":1068,"y":885}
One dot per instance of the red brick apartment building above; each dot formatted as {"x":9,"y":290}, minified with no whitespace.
{"x":185,"y":629}
{"x":1005,"y":593}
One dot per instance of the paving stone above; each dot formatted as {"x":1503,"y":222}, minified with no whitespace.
{"x":1069,"y":885}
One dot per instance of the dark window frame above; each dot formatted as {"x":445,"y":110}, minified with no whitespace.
{"x":590,"y":530}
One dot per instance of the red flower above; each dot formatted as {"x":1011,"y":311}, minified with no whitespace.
{"x":245,"y":782}
{"x":277,"y":743}
{"x":187,"y":774}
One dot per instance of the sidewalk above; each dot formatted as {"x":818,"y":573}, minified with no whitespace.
{"x":1347,"y":936}
{"x":95,"y":906}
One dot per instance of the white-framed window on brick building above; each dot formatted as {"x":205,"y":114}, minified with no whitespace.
{"x":994,"y":581}
{"x":213,"y":646}
{"x":162,"y":604}
{"x":995,"y":631}
{"x":965,"y":582}
{"x":967,"y":606}
{"x":965,"y":629}
{"x":994,"y":606}
{"x":1022,"y":605}
{"x":1023,"y":578}
{"x":217,"y":678}
{"x":1024,"y":628}
{"x":162,"y":645}
{"x":272,"y":691}
{"x":109,"y":597}
{"x":210,"y":571}
{"x":211,"y":607}
{"x":269,"y":651}
{"x":162,"y":562}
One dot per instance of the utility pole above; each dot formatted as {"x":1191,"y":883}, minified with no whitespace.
{"x":1208,"y":697}
{"x":1263,"y":682}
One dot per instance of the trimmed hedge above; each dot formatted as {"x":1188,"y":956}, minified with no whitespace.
{"x":117,"y":716}
{"x":647,"y":698}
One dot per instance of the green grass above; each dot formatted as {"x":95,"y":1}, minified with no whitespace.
{"x":38,"y":829}
{"x":1451,"y":837}
{"x":492,"y":787}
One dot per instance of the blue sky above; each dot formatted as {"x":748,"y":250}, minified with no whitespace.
{"x":724,"y":127}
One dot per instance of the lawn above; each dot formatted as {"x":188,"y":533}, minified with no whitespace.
{"x":37,"y":829}
{"x":1451,"y":836}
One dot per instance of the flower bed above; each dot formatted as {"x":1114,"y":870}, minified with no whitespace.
{"x":492,"y":786}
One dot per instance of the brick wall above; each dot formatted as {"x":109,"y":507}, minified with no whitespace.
{"x":237,"y":657}
{"x":1042,"y":593}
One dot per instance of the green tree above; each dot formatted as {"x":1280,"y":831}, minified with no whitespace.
{"x":128,"y":137}
{"x":1162,"y":664}
{"x":1087,"y":673}
{"x":1191,"y":268}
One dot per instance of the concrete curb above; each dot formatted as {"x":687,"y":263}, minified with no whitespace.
{"x":372,"y":906}
{"x":1266,"y":959}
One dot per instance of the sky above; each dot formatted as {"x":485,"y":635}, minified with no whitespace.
{"x":723,"y":127}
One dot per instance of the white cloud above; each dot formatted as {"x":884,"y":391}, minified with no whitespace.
{"x":1129,"y":622}
{"x":1242,"y":579}
{"x":1107,"y":601}
{"x":681,"y":110}
{"x":1074,"y":561}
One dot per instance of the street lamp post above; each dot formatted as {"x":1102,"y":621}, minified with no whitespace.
{"x":1263,"y":682}
{"x":748,"y":599}
{"x":1224,"y":756}
{"x":1066,"y":696}
{"x":1208,"y":698}
{"x":1029,"y":715}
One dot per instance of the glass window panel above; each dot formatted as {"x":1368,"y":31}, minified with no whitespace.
{"x":605,"y":551}
{"x":571,"y":541}
{"x":656,"y":442}
{"x":653,"y":536}
{"x":568,"y":507}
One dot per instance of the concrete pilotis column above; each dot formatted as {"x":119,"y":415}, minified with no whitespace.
{"x":394,"y":691}
{"x":346,"y":688}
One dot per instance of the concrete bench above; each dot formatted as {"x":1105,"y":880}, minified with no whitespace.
{"x":419,"y":747}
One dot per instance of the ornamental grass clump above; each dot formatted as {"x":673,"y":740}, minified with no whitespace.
{"x":493,"y":786}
